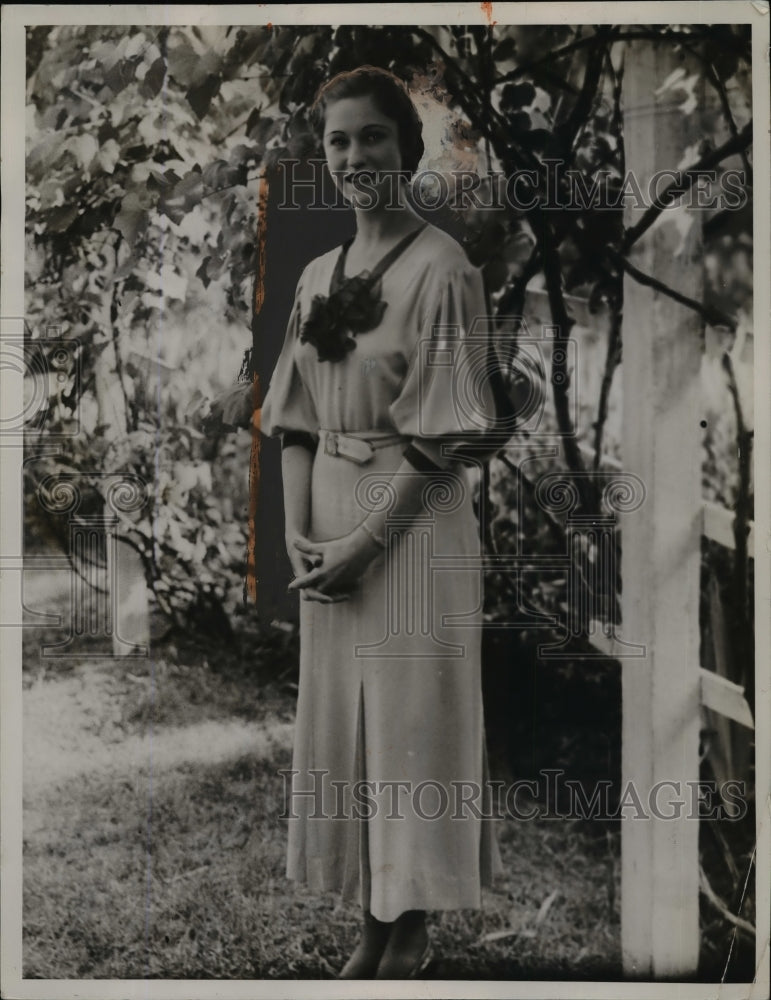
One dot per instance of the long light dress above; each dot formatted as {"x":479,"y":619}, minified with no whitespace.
{"x":389,"y":689}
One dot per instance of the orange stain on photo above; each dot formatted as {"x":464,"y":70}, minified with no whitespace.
{"x":487,"y":10}
{"x":254,"y":458}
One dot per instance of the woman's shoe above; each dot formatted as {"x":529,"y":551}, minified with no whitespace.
{"x":363,"y":963}
{"x":394,"y":965}
{"x":423,"y":963}
{"x":365,"y":959}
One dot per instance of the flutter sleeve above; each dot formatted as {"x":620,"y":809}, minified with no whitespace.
{"x":446,"y":395}
{"x":288,"y":408}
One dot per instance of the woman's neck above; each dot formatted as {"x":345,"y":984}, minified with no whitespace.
{"x":374,"y":228}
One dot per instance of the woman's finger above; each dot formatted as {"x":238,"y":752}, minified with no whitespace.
{"x":298,"y":564}
{"x":302,"y":562}
{"x":310,"y":594}
{"x":307,"y":546}
{"x":300,"y":582}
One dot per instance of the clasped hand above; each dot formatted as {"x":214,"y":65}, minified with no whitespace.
{"x":328,"y":571}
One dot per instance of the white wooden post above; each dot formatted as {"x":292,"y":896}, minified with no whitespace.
{"x":661,"y":540}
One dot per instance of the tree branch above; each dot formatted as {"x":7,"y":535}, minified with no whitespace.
{"x":719,"y":905}
{"x":612,"y":361}
{"x":469,"y":85}
{"x":552,"y":270}
{"x":131,"y":415}
{"x":616,"y":306}
{"x":568,"y":130}
{"x":619,"y":36}
{"x":719,"y":87}
{"x":481,"y":113}
{"x":710,"y":314}
{"x":685,"y":37}
{"x":513,"y":298}
{"x":688,"y":178}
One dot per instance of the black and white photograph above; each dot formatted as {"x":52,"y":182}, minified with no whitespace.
{"x":384,"y":595}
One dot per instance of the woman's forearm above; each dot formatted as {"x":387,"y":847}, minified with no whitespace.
{"x":296,"y":467}
{"x":404,"y":501}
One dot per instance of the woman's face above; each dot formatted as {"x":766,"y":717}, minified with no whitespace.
{"x":361,"y":143}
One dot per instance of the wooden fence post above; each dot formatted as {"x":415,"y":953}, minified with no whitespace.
{"x":661,"y":540}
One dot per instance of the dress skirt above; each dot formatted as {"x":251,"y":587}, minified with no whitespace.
{"x":389,"y":788}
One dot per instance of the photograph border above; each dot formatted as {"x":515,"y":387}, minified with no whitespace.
{"x":15,"y":17}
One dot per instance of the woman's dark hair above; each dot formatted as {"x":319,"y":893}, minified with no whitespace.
{"x":391,"y":99}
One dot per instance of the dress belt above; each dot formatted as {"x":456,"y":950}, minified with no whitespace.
{"x":358,"y":446}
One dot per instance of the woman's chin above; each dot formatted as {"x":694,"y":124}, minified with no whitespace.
{"x":371,"y":200}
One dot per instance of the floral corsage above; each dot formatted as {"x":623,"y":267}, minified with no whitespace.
{"x":334,"y":320}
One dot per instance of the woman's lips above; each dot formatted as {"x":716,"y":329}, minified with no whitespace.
{"x":357,"y":177}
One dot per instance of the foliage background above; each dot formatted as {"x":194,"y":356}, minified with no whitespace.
{"x":144,"y":149}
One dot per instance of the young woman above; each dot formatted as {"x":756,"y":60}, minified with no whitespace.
{"x":388,"y":797}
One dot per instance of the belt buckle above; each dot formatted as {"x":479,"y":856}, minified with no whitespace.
{"x":330,"y":444}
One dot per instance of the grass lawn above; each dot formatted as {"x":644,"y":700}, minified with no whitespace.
{"x":153,"y":846}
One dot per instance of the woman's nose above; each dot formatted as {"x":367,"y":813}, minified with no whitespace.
{"x":356,"y":158}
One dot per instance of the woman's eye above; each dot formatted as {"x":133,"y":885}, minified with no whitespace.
{"x":374,"y":137}
{"x":337,"y":140}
